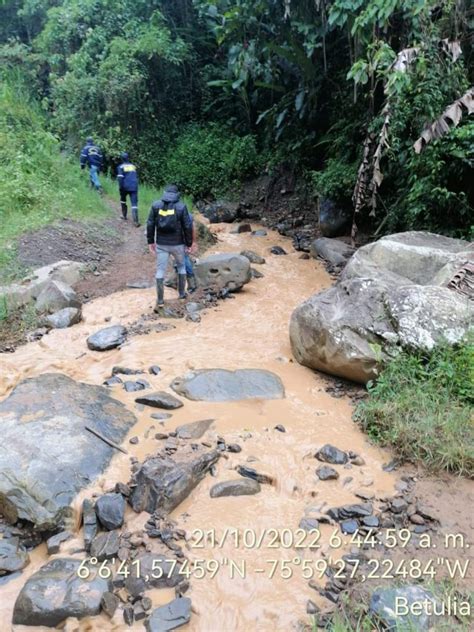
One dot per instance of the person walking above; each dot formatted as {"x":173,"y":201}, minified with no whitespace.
{"x":91,"y":155}
{"x":128,"y":185}
{"x":169,"y":232}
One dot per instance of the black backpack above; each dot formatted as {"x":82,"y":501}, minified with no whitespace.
{"x":167,"y":218}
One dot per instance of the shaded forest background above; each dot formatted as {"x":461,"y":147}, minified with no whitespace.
{"x":368,"y":101}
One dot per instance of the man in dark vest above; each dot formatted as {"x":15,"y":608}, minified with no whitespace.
{"x":169,"y":232}
{"x":127,"y":178}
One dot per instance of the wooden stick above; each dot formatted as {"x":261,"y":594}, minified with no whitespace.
{"x":108,"y":441}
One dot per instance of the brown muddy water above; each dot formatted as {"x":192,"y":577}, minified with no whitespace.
{"x":250,"y":331}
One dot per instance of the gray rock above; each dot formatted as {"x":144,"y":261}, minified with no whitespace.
{"x":160,"y":399}
{"x":220,"y":385}
{"x":326,"y":473}
{"x":171,"y":616}
{"x":221,"y":211}
{"x":161,"y":416}
{"x":330,"y":454}
{"x":229,"y":271}
{"x":12,"y":558}
{"x":260,"y":232}
{"x":349,"y":526}
{"x":252,"y":256}
{"x":241,"y":228}
{"x":107,"y":338}
{"x":105,"y":545}
{"x":147,"y":574}
{"x":333,"y":251}
{"x":53,"y":544}
{"x":109,"y":603}
{"x":64,"y":318}
{"x":256,"y":274}
{"x":278,"y":250}
{"x":110,"y":510}
{"x":154,"y":369}
{"x":46,"y":416}
{"x":56,"y":296}
{"x":333,"y":220}
{"x":133,"y":387}
{"x":89,"y":520}
{"x":193,"y":308}
{"x":241,"y":487}
{"x":162,"y":483}
{"x":308,"y":524}
{"x":250,"y":472}
{"x":388,"y":296}
{"x":194,"y":430}
{"x":56,"y":592}
{"x":383,"y":604}
{"x":347,"y":512}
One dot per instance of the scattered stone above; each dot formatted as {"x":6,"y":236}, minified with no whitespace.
{"x":426,"y":512}
{"x":326,"y":473}
{"x":128,"y":615}
{"x":371,"y":522}
{"x":64,"y":318}
{"x":46,"y":416}
{"x":311,"y":607}
{"x":398,"y":505}
{"x":233,"y":447}
{"x":252,"y":256}
{"x":358,"y":460}
{"x":330,"y":454}
{"x":308,"y":524}
{"x":416,"y":519}
{"x":131,"y":387}
{"x":194,"y":430}
{"x":305,"y":256}
{"x":53,"y":544}
{"x":56,"y":592}
{"x":109,"y":603}
{"x":89,"y":519}
{"x":250,"y":472}
{"x":57,"y":296}
{"x":110,"y":510}
{"x":347,"y":512}
{"x":280,"y":428}
{"x":220,"y":385}
{"x":107,"y":338}
{"x":105,"y":546}
{"x":256,"y":274}
{"x":12,"y":558}
{"x":152,"y":571}
{"x":241,"y":228}
{"x":160,"y":399}
{"x":349,"y":526}
{"x":161,"y":436}
{"x":111,"y":381}
{"x":334,"y":251}
{"x":154,"y":369}
{"x":122,"y":488}
{"x":361,"y":493}
{"x":260,"y":232}
{"x":383,"y":604}
{"x":277,"y":250}
{"x":139,"y":612}
{"x":134,"y":440}
{"x":161,"y":483}
{"x":244,"y":487}
{"x":161,"y":416}
{"x":171,"y":616}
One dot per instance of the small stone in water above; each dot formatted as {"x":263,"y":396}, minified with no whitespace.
{"x":134,"y":440}
{"x":280,"y":428}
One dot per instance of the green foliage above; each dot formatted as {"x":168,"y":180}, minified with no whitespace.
{"x":336,"y":181}
{"x":209,"y":160}
{"x":38,"y":183}
{"x":423,"y":406}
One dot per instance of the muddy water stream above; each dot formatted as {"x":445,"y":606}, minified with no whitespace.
{"x":250,"y":331}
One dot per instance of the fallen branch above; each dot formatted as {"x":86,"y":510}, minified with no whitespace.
{"x":105,"y":440}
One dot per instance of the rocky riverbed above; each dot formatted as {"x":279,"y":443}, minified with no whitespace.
{"x":231,"y":489}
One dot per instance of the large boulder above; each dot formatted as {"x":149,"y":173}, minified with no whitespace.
{"x":56,"y":296}
{"x":230,"y":271}
{"x":12,"y":557}
{"x":163,"y":483}
{"x":334,"y":221}
{"x":220,"y":211}
{"x":46,"y":416}
{"x":334,"y":251}
{"x":221,"y":385}
{"x":57,"y":592}
{"x":389,"y":296}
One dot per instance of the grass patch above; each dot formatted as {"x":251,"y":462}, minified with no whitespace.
{"x":422,"y":405}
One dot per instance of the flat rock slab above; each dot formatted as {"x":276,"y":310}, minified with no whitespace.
{"x":163,"y":483}
{"x":107,"y":338}
{"x":383,"y":603}
{"x":194,"y":430}
{"x":160,"y":399}
{"x":56,"y":592}
{"x":12,"y":558}
{"x":221,"y":385}
{"x":171,"y":616}
{"x":46,"y":416}
{"x":244,"y":487}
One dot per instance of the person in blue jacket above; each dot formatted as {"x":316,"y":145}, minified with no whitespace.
{"x":91,"y":155}
{"x":128,"y":185}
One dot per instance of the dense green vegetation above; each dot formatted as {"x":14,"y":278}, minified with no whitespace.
{"x":208,"y":93}
{"x":38,"y":183}
{"x":423,"y":406}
